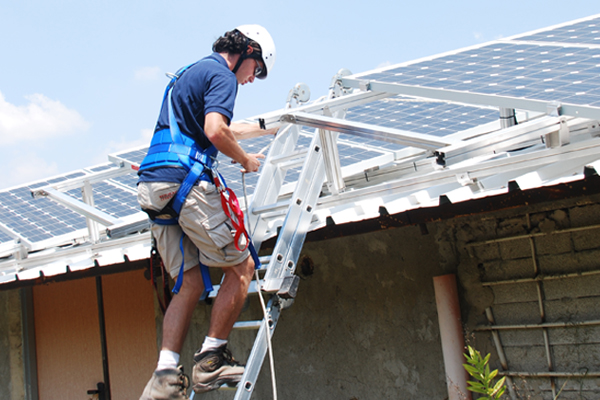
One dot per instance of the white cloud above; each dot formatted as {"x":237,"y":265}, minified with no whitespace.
{"x":384,"y":64}
{"x":36,"y":168}
{"x":147,"y":74}
{"x":117,"y":146}
{"x":41,"y":118}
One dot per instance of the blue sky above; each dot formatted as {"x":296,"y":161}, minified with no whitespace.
{"x":82,"y":79}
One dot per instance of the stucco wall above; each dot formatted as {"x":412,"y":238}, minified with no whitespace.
{"x":364,"y":324}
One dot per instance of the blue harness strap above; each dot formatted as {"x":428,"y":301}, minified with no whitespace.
{"x":186,"y":154}
{"x":208,"y":286}
{"x":171,"y":146}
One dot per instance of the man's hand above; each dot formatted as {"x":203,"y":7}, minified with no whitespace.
{"x":252,"y":163}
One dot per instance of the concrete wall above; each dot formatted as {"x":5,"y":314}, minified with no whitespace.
{"x":11,"y":357}
{"x":364,"y":324}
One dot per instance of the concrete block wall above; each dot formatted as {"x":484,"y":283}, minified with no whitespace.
{"x":483,"y":255}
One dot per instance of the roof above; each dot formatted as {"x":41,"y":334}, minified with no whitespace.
{"x":469,"y":124}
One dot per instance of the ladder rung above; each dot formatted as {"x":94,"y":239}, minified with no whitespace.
{"x":281,"y":207}
{"x":248,"y":324}
{"x":225,"y":387}
{"x":288,"y":157}
{"x":222,"y":387}
{"x":264,"y":260}
{"x":251,"y":290}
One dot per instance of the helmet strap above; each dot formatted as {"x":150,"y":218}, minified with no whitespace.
{"x":243,"y":56}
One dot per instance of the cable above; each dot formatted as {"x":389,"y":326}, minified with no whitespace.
{"x":262,"y":301}
{"x":269,"y":344}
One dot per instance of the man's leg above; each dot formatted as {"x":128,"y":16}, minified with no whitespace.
{"x":230,"y":299}
{"x":214,"y":366}
{"x":179,"y":313}
{"x":168,"y":381}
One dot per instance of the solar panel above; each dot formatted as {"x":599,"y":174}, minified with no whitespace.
{"x":584,"y":32}
{"x":540,"y":72}
{"x":41,"y":219}
{"x":36,"y":220}
{"x":430,"y":117}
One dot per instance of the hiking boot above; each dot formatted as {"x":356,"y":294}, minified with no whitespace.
{"x":215,"y":368}
{"x":167,"y":384}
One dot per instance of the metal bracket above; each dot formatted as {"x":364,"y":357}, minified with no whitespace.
{"x":289,"y":287}
{"x":440,"y":158}
{"x":559,"y":137}
{"x":553,"y":109}
{"x":337,"y":88}
{"x":331,"y":157}
{"x":507,"y":117}
{"x":300,"y":92}
{"x":465,"y":180}
{"x":14,"y":248}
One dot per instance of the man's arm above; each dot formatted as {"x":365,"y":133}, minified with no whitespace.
{"x":224,"y":139}
{"x":248,"y":131}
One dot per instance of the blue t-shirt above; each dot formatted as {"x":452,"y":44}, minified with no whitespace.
{"x":206,"y":86}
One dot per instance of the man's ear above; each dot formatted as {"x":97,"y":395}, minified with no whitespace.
{"x":250,"y":50}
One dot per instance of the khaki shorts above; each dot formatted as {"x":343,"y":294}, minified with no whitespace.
{"x":208,"y":232}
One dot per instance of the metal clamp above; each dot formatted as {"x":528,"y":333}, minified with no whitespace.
{"x":553,"y":109}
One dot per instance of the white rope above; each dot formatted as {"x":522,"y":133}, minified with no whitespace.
{"x":262,"y":301}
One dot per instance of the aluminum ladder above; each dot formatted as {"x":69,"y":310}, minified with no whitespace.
{"x":320,"y":165}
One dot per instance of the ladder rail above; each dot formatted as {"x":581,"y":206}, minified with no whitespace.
{"x":300,"y":213}
{"x":259,"y":350}
{"x":321,"y":164}
{"x":270,"y":181}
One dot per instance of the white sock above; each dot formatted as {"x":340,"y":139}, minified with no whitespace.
{"x":167,"y":359}
{"x":212,"y":344}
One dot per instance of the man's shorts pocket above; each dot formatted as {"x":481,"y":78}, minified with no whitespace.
{"x":219,"y":230}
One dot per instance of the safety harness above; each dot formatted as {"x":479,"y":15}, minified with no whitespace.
{"x":170,"y":147}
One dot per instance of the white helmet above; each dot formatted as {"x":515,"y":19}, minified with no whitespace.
{"x":267,"y":46}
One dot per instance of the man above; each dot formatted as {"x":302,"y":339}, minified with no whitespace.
{"x":176,"y":188}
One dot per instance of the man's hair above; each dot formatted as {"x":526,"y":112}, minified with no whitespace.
{"x":234,"y":42}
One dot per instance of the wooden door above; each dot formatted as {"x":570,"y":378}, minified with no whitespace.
{"x":68,"y":344}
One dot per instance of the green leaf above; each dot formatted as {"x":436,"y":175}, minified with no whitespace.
{"x":501,"y":392}
{"x":493,"y":374}
{"x":471,"y":351}
{"x":499,"y":384}
{"x":478,"y":384}
{"x":478,"y":390}
{"x":470,"y":369}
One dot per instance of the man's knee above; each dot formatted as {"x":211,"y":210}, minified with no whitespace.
{"x":243,"y":270}
{"x":192,"y":282}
